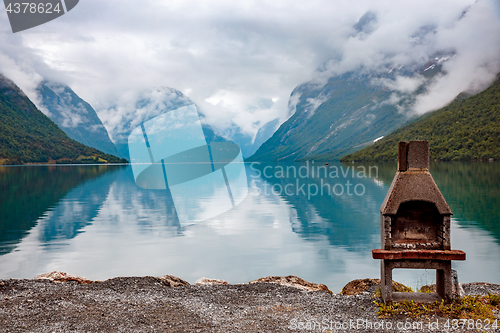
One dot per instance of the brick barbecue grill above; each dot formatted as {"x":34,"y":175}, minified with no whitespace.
{"x":415,"y":226}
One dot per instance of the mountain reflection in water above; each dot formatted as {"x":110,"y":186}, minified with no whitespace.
{"x":95,"y":222}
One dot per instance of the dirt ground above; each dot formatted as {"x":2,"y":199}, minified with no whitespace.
{"x":148,"y":304}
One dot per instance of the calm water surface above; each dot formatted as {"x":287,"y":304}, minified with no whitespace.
{"x":94,"y":221}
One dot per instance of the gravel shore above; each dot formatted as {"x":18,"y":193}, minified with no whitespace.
{"x":148,"y":304}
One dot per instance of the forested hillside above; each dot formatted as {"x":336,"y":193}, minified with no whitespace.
{"x":28,"y":136}
{"x":467,"y":129}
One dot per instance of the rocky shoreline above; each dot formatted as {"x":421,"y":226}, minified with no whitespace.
{"x":170,"y":304}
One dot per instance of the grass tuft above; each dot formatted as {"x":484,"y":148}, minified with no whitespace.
{"x":468,"y":307}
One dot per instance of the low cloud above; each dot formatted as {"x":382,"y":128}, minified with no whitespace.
{"x":464,"y":40}
{"x":239,"y":62}
{"x":403,"y":84}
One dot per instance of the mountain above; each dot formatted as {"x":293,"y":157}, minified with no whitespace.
{"x":150,"y":104}
{"x":245,"y":141}
{"x":348,"y":105}
{"x":347,"y":112}
{"x":28,"y":136}
{"x":466,"y":129}
{"x":264,"y":133}
{"x":74,"y":116}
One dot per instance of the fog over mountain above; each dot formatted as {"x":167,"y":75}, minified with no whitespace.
{"x":74,"y":116}
{"x":239,"y":62}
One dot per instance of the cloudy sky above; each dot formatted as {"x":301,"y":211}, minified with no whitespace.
{"x":240,"y":60}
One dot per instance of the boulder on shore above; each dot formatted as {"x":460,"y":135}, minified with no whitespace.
{"x":173,"y":281}
{"x":57,"y":276}
{"x":210,"y":282}
{"x":356,"y":287}
{"x":293,"y":281}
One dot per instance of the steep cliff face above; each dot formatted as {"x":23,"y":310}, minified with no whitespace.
{"x":346,"y":113}
{"x":74,"y":116}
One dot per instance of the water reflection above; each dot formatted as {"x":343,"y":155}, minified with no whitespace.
{"x":336,"y":202}
{"x":78,"y":209}
{"x":170,"y":152}
{"x":98,"y":223}
{"x":28,"y":193}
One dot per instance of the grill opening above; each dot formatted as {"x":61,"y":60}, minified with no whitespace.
{"x":417,"y":225}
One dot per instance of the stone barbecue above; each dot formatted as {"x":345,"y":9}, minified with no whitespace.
{"x":415,"y":226}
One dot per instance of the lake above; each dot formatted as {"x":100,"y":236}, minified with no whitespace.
{"x":94,"y":221}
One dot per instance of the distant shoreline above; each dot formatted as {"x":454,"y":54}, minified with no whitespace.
{"x":302,"y":161}
{"x":60,"y":164}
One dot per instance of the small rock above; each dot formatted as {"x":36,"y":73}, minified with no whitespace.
{"x":57,"y":276}
{"x":209,"y":282}
{"x":431,"y":288}
{"x":293,"y":281}
{"x":356,"y":287}
{"x":173,"y":281}
{"x":480,"y":288}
